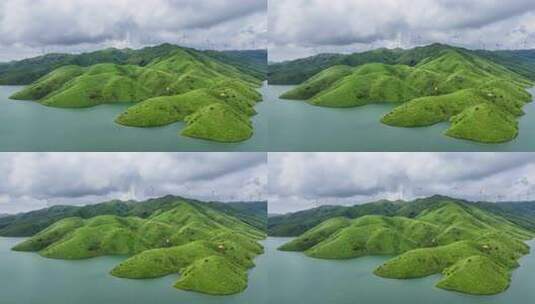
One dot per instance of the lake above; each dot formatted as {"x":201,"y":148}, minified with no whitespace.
{"x":279,"y":278}
{"x":31,"y":279}
{"x":281,"y":125}
{"x":296,"y":278}
{"x":299,"y":126}
{"x":29,"y":126}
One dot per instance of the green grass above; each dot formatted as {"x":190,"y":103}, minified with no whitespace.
{"x":213,"y":275}
{"x":220,"y":113}
{"x":218,"y":122}
{"x":169,"y":88}
{"x":210,"y":249}
{"x":481,"y":98}
{"x":30,"y":223}
{"x":297,"y":71}
{"x":445,"y":236}
{"x":465,"y":276}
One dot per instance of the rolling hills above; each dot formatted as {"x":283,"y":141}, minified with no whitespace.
{"x":297,"y":223}
{"x":24,"y":72}
{"x":474,"y":249}
{"x":29,"y":223}
{"x":481,"y":99}
{"x":295,"y":72}
{"x":165,"y":84}
{"x":210,"y":249}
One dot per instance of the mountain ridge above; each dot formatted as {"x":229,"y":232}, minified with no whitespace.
{"x":26,"y":71}
{"x":296,"y":223}
{"x":29,"y":223}
{"x":294,"y":72}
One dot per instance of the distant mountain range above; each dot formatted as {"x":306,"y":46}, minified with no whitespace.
{"x":29,"y":223}
{"x":296,"y":223}
{"x":297,"y":71}
{"x":26,"y":71}
{"x":474,"y":246}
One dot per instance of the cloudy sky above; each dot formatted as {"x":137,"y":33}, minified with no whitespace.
{"x":34,"y":27}
{"x":304,"y":180}
{"x":300,"y":28}
{"x":37,"y":180}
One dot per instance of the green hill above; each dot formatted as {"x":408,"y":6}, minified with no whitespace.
{"x":297,"y":223}
{"x":211,"y":250}
{"x":295,"y":72}
{"x":24,"y":72}
{"x":167,"y":88}
{"x":480,"y":98}
{"x":29,"y":223}
{"x":474,"y":249}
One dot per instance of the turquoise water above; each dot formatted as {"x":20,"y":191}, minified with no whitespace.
{"x":278,"y":278}
{"x":296,"y":278}
{"x":29,"y":126}
{"x":281,"y":125}
{"x":298,"y":126}
{"x":27,"y":278}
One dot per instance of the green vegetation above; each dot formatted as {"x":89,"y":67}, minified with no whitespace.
{"x":210,"y":249}
{"x":474,"y":249}
{"x":172,"y":86}
{"x":30,"y":223}
{"x":297,"y":71}
{"x":24,"y":72}
{"x":480,"y":98}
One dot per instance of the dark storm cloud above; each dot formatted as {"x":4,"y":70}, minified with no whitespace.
{"x":78,"y":25}
{"x":304,"y":180}
{"x":36,"y":180}
{"x":357,"y":25}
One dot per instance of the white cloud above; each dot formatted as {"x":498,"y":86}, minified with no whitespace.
{"x":37,"y":180}
{"x":304,"y":180}
{"x":304,"y":27}
{"x":30,"y":27}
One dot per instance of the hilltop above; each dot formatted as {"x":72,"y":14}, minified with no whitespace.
{"x":165,"y":84}
{"x":29,"y":223}
{"x":295,"y":72}
{"x":480,"y":98}
{"x":210,"y":249}
{"x":474,"y":249}
{"x":26,"y":71}
{"x":296,"y":223}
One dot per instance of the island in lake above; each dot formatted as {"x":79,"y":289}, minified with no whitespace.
{"x":481,"y":93}
{"x":475,"y":246}
{"x":211,"y":245}
{"x":213,"y":92}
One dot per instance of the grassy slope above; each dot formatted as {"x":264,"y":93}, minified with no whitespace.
{"x":24,"y":72}
{"x":444,"y":237}
{"x":297,"y":71}
{"x":179,"y":83}
{"x":452,"y":85}
{"x":204,"y":245}
{"x":30,"y":223}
